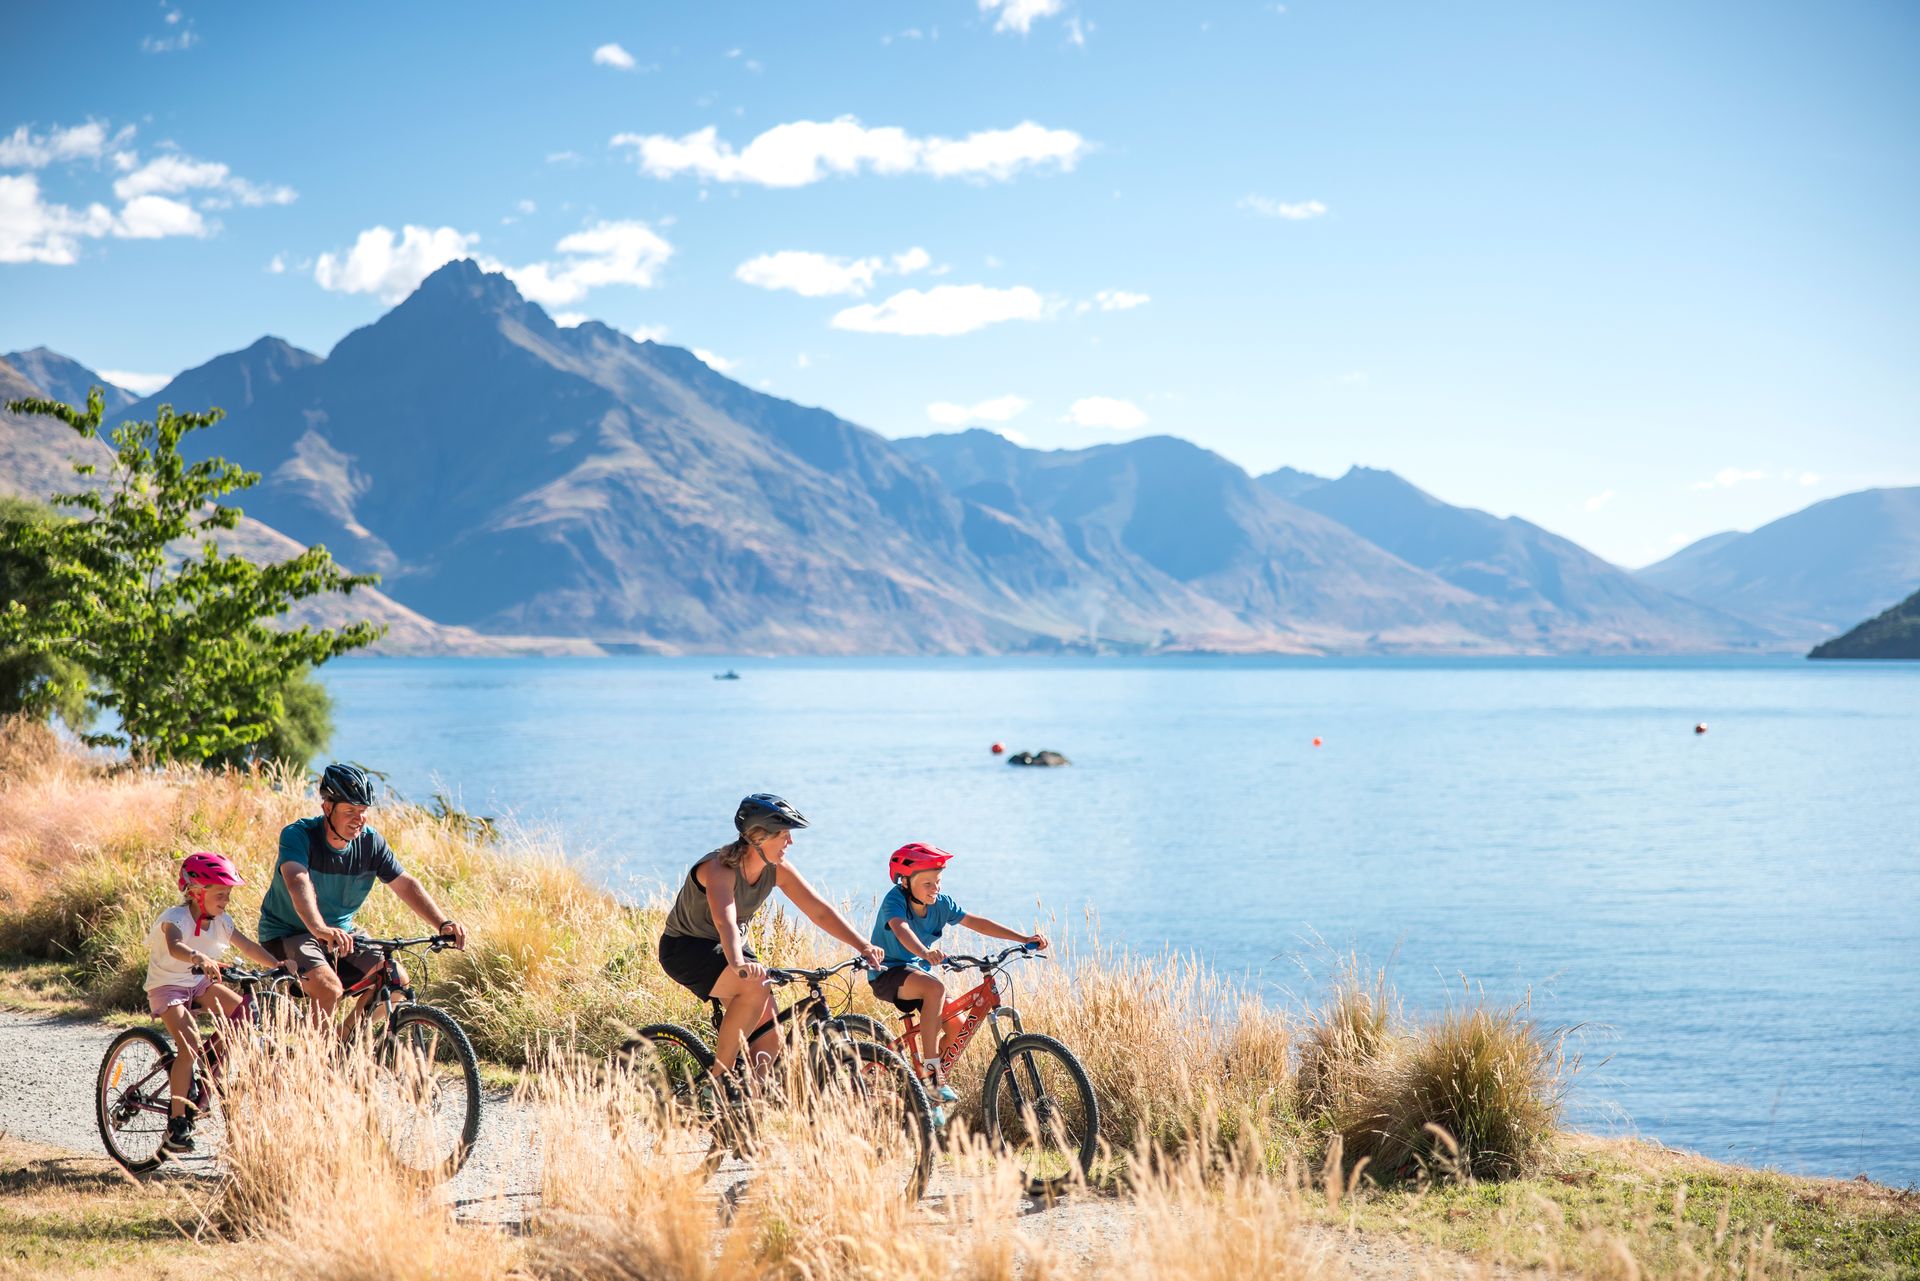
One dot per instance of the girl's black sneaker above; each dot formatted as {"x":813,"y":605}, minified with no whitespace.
{"x":179,"y":1135}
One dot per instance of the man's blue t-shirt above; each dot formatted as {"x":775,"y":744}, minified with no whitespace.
{"x":341,"y":878}
{"x":927,"y":929}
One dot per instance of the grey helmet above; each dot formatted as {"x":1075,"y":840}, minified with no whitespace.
{"x":764,"y":809}
{"x":348,"y":783}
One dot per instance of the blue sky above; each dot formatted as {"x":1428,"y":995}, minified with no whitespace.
{"x":1637,"y":272}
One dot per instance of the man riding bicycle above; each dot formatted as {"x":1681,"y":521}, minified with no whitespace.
{"x":326,"y":869}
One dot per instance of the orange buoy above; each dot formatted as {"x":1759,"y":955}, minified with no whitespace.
{"x":999,"y":749}
{"x":1316,"y":742}
{"x":1701,"y":728}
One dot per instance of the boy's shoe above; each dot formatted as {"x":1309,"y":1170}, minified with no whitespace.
{"x":179,"y":1135}
{"x":947,"y":1094}
{"x":939,"y":1118}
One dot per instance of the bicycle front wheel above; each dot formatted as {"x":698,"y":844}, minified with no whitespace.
{"x":1040,"y":1110}
{"x":429,"y":1103}
{"x":890,"y":1107}
{"x":676,"y":1106}
{"x":131,"y":1097}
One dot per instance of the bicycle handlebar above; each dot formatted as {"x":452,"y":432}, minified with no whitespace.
{"x":437,"y":942}
{"x":779,"y":976}
{"x":994,"y":962}
{"x":241,"y":974}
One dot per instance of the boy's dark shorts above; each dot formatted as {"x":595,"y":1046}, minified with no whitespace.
{"x":887,"y":988}
{"x":696,"y":963}
{"x":304,"y":952}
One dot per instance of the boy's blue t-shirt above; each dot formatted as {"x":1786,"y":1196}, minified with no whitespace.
{"x":927,"y":929}
{"x":341,"y":878}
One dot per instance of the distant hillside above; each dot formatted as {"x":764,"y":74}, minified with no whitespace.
{"x":1893,"y":634}
{"x":509,"y":476}
{"x":1811,"y":574}
{"x":36,"y":461}
{"x":233,"y":381}
{"x":65,"y":379}
{"x":1563,"y":594}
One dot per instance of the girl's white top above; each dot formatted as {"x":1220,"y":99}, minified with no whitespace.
{"x":211,"y":942}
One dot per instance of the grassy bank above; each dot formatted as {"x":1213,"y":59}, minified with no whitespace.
{"x":1276,"y":1131}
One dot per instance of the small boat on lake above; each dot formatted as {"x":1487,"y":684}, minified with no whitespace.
{"x":728,"y":675}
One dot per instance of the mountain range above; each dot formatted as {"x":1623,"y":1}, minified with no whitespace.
{"x":511,"y":477}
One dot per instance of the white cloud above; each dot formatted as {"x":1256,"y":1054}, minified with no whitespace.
{"x":650,"y":333}
{"x":612,"y":55}
{"x":31,"y":230}
{"x":997,"y":410}
{"x":1801,"y":478}
{"x":153,"y":217}
{"x":1294,"y":211}
{"x":1727,"y":478}
{"x":1117,"y":300}
{"x":1077,"y":34}
{"x":138,"y":384}
{"x":176,"y":43}
{"x":564,"y":157}
{"x":813,"y":275}
{"x":391,"y":268}
{"x":1106,"y":411}
{"x":607,"y":253}
{"x":173,"y":173}
{"x":806,"y":151}
{"x":526,"y":206}
{"x":944,"y":310}
{"x":1600,"y":500}
{"x":23,"y":149}
{"x":568,"y":319}
{"x":1020,"y":15}
{"x":719,"y":364}
{"x":277,"y":265}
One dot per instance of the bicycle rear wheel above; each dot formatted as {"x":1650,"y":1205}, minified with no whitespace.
{"x":890,"y":1106}
{"x":1039,"y":1108}
{"x":677,"y":1107}
{"x":429,"y":1105}
{"x":131,"y":1097}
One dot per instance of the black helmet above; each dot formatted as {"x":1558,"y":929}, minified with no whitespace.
{"x":764,"y":809}
{"x":349,"y":783}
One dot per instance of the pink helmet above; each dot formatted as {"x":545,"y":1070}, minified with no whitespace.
{"x":208,"y":869}
{"x":916,"y":857}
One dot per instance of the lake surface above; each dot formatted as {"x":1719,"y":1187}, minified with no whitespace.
{"x":1732,"y":915}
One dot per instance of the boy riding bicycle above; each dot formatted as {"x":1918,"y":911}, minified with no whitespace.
{"x":907,"y":928}
{"x":194,"y":933}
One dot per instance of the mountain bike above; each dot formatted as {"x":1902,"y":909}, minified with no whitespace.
{"x":132,"y":1097}
{"x":428,"y":1078}
{"x":1037,"y":1102}
{"x":713,"y":1114}
{"x":429,"y":1075}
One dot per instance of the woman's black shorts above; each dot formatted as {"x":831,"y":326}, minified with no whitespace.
{"x":887,"y":988}
{"x":696,"y":963}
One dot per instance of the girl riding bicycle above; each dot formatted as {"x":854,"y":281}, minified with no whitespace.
{"x":194,"y":933}
{"x":703,"y":947}
{"x":911,"y":919}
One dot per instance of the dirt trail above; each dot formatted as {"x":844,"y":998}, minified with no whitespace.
{"x":48,"y":1066}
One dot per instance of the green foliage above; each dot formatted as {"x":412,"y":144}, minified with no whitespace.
{"x":43,"y":683}
{"x":182,"y":653}
{"x":298,"y":734}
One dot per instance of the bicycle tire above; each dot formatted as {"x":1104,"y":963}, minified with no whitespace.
{"x":868,"y":1028}
{"x":1073,"y":1122}
{"x":134,"y":1159}
{"x":678,"y":1064}
{"x":876,"y":1063}
{"x":410,"y":1021}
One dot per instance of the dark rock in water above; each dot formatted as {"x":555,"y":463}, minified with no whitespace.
{"x":1893,"y":634}
{"x":1038,"y":758}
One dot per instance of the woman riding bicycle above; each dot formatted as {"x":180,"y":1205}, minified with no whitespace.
{"x":703,"y":947}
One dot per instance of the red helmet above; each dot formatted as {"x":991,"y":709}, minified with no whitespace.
{"x":916,"y":857}
{"x":208,"y":869}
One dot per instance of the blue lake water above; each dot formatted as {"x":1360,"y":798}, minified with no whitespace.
{"x":1732,"y":915}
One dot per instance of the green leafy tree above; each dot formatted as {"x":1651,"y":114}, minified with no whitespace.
{"x":40,"y":684}
{"x":298,"y":734}
{"x":180,"y":650}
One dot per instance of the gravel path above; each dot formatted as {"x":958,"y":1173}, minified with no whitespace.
{"x":48,"y":1066}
